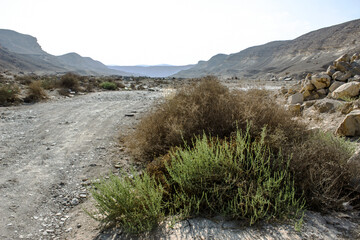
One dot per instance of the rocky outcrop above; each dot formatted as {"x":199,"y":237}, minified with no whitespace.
{"x":335,"y":80}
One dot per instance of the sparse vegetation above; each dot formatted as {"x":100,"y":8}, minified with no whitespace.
{"x":8,"y":94}
{"x":240,"y":178}
{"x":239,"y":172}
{"x":35,"y":92}
{"x":70,"y":81}
{"x":108,"y":85}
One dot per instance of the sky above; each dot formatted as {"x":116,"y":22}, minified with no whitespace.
{"x":177,"y":32}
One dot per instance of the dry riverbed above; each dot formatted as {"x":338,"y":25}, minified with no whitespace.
{"x":51,"y":151}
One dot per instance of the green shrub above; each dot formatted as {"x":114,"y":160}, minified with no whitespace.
{"x":240,"y":178}
{"x":8,"y":94}
{"x":108,"y":85}
{"x":135,"y":204}
{"x":70,"y":81}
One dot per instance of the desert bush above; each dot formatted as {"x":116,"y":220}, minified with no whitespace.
{"x":49,"y":83}
{"x":240,"y":179}
{"x":26,"y":79}
{"x":135,"y":203}
{"x":8,"y":94}
{"x":70,"y":81}
{"x":209,"y":107}
{"x":35,"y":92}
{"x":320,"y":172}
{"x":108,"y":85}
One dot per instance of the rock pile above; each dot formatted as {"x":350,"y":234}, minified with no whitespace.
{"x":341,"y":80}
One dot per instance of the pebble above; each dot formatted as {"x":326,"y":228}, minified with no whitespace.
{"x":50,"y":230}
{"x":117,"y":166}
{"x":78,"y":225}
{"x":68,"y":230}
{"x":83,"y":195}
{"x":74,"y":201}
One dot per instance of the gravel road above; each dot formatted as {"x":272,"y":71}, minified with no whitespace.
{"x":47,"y":150}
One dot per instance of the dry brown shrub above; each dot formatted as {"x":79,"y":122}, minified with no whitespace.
{"x":35,"y":92}
{"x":209,"y":107}
{"x":70,"y":81}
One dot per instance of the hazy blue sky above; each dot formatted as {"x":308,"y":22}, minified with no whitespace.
{"x":130,"y":32}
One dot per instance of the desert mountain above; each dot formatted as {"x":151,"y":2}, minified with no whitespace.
{"x":20,"y":52}
{"x":153,"y":71}
{"x":308,"y":53}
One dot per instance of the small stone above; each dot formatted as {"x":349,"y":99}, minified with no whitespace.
{"x":129,"y":115}
{"x":117,"y":166}
{"x":68,"y":230}
{"x":83,"y":195}
{"x":78,"y":225}
{"x":74,"y":201}
{"x":50,"y":230}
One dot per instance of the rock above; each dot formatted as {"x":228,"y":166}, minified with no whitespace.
{"x":296,"y":98}
{"x":74,"y":201}
{"x":356,"y":78}
{"x":335,"y":85}
{"x":354,"y":57}
{"x":350,"y":126}
{"x":295,"y":108}
{"x":341,"y":76}
{"x":347,"y":90}
{"x":331,"y":70}
{"x":320,"y":80}
{"x":307,"y":85}
{"x":342,"y":66}
{"x":343,"y":58}
{"x":322,"y":92}
{"x":306,"y":94}
{"x":324,"y":106}
{"x":129,"y":115}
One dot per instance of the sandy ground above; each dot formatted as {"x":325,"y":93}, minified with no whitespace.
{"x":49,"y":150}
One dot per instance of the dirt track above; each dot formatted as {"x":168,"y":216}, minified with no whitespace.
{"x":48,"y":149}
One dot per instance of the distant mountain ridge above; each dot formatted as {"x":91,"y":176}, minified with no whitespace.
{"x":163,"y":70}
{"x":22,"y":53}
{"x":308,"y":53}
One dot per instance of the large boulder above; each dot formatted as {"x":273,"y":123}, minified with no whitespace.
{"x":341,"y":76}
{"x":347,"y":90}
{"x":296,"y":98}
{"x":350,"y":126}
{"x":321,"y":80}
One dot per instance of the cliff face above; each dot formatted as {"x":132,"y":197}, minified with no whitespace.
{"x":307,"y":53}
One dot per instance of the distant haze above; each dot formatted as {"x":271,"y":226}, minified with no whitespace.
{"x":176,"y":32}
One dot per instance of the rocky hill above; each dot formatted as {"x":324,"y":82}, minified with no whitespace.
{"x":153,"y":71}
{"x":22,"y":53}
{"x":311,"y":52}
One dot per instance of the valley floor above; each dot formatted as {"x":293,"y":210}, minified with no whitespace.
{"x":49,"y":152}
